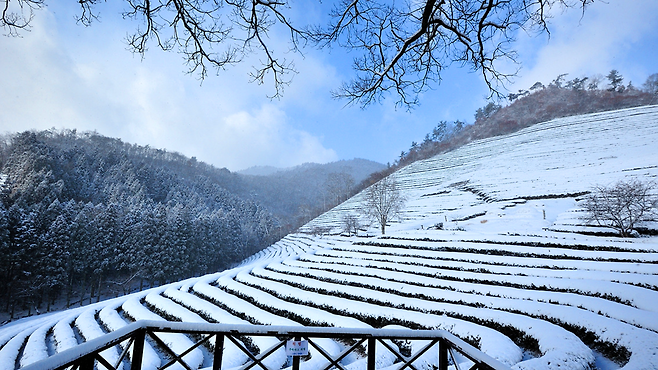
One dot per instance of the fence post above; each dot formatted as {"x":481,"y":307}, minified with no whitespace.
{"x":443,"y":354}
{"x":295,"y":359}
{"x":87,"y":362}
{"x":219,"y":351}
{"x":372,"y":343}
{"x":138,"y":349}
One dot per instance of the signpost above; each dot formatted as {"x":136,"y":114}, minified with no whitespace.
{"x":297,"y":348}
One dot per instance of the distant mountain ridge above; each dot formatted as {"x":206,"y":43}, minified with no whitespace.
{"x":261,"y":170}
{"x":359,"y":168}
{"x":299,"y":193}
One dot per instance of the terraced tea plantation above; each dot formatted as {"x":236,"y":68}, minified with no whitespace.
{"x":490,"y":246}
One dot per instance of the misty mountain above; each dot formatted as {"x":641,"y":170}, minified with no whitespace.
{"x":262,"y":170}
{"x":358,"y":168}
{"x":300,"y":193}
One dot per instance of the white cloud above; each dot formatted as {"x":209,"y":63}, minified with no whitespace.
{"x":263,"y":137}
{"x":37,"y":78}
{"x":50,"y":81}
{"x":590,"y":43}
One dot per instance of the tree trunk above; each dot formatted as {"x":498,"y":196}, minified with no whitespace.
{"x":41,"y":296}
{"x":83,"y":290}
{"x":9,"y":288}
{"x":100,"y":283}
{"x":69,"y":290}
{"x":9,"y":291}
{"x":82,"y":294}
{"x":91,"y":289}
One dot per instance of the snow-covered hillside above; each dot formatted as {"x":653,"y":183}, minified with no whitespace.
{"x":507,"y":269}
{"x":556,"y":158}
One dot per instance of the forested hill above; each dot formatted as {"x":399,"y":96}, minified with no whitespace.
{"x":83,"y":215}
{"x":83,"y":212}
{"x":540,"y":103}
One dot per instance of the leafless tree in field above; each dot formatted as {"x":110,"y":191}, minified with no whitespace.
{"x":400,"y":47}
{"x":383,"y":201}
{"x":351,"y":224}
{"x":623,"y":205}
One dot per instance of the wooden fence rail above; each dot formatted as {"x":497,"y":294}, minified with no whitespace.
{"x":87,"y":356}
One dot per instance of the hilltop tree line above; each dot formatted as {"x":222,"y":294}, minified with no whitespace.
{"x":539,"y":103}
{"x":82,"y":215}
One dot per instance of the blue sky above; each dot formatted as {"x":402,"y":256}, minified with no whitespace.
{"x":64,"y":75}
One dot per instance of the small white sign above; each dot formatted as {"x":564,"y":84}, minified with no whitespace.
{"x":297,"y":348}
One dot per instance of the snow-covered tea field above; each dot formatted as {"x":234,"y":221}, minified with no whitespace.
{"x":491,"y":246}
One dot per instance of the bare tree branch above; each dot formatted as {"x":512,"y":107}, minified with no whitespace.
{"x":404,"y":47}
{"x":17,"y":15}
{"x":622,"y":206}
{"x":401,"y":47}
{"x":383,"y":201}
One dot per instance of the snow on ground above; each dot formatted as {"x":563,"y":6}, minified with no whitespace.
{"x":489,"y":246}
{"x":35,"y":349}
{"x":112,"y":320}
{"x":90,"y":329}
{"x":63,"y":334}
{"x":177,"y":342}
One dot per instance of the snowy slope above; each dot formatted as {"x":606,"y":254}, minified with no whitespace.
{"x":508,"y":270}
{"x":559,"y":157}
